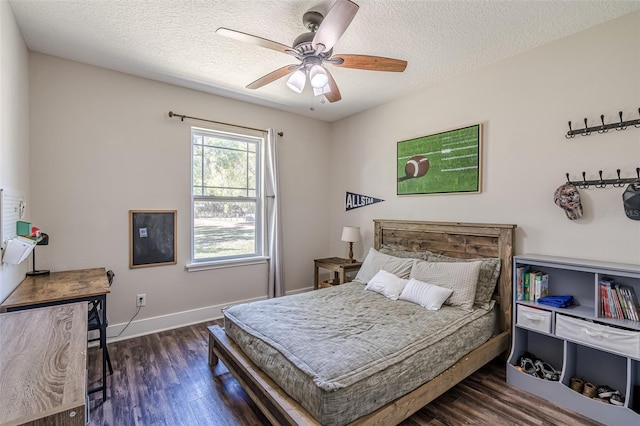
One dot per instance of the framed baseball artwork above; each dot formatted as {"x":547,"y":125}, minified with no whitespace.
{"x":442,"y":163}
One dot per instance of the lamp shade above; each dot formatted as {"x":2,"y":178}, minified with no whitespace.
{"x":351,"y":234}
{"x":297,"y":81}
{"x":318,"y":77}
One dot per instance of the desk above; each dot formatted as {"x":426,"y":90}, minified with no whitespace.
{"x":338,"y":265}
{"x":58,"y":288}
{"x":43,"y":366}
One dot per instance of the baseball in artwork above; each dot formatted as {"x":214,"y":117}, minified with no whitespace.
{"x":441,"y":163}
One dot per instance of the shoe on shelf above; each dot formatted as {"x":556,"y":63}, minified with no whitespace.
{"x":546,"y":370}
{"x":590,"y":390}
{"x":577,"y":384}
{"x":616,"y":399}
{"x":527,"y":365}
{"x":605,"y":391}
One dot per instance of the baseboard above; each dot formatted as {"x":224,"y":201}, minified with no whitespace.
{"x":300,"y":290}
{"x":179,"y":319}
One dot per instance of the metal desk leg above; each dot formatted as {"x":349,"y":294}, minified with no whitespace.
{"x":103,"y":342}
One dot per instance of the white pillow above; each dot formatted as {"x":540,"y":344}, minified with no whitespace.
{"x":426,"y":295}
{"x":375,"y":261}
{"x":387,"y":284}
{"x":461,"y":277}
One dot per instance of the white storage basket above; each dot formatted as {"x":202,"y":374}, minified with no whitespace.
{"x":611,"y":339}
{"x":535,"y":319}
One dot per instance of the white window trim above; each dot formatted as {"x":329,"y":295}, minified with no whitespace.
{"x":229,"y":263}
{"x":193,"y":265}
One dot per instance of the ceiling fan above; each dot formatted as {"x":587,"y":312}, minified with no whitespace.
{"x":314,"y":49}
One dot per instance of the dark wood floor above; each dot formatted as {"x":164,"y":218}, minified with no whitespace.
{"x":164,"y":379}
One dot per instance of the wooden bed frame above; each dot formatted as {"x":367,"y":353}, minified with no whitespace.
{"x":462,"y":240}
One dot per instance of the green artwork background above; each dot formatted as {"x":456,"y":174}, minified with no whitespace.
{"x":454,"y":162}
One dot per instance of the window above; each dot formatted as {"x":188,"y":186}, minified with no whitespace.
{"x":227,"y":196}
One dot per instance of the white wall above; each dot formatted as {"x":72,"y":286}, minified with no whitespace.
{"x":524,"y":103}
{"x":14,"y":127}
{"x":102,"y":144}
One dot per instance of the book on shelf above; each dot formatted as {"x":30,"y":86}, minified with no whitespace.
{"x":607,"y":298}
{"x":541,"y":285}
{"x":618,"y":301}
{"x":623,"y":302}
{"x":532,"y":285}
{"x":612,"y":302}
{"x":605,"y":311}
{"x":520,"y":271}
{"x":633,"y":302}
{"x":633,"y":315}
{"x":526,"y":289}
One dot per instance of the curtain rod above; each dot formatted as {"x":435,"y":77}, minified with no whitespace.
{"x":182,"y":117}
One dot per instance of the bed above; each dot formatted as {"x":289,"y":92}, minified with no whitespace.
{"x":276,"y":386}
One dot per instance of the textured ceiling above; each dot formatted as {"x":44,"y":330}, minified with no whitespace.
{"x":174,"y":41}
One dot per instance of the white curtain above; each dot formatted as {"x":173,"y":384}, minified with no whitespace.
{"x":274,"y":229}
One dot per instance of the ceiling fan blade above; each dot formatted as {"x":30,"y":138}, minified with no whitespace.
{"x":371,"y":63}
{"x":258,"y":41}
{"x":335,"y":24}
{"x":273,"y":76}
{"x":334,"y":94}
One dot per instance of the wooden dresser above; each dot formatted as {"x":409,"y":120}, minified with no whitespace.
{"x":43,"y":366}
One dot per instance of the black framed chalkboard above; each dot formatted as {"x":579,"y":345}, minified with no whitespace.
{"x":152,"y":238}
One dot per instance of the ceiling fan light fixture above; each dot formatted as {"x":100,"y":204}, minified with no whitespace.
{"x":318,"y":77}
{"x":297,"y":81}
{"x":319,"y":91}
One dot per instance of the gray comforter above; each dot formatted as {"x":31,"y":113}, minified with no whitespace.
{"x":343,"y":352}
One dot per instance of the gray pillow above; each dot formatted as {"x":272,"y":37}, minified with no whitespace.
{"x":405,"y":254}
{"x":375,"y":261}
{"x":461,"y":277}
{"x":487,"y":279}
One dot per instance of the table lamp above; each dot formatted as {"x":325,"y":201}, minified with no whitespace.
{"x":351,"y":234}
{"x":43,"y":240}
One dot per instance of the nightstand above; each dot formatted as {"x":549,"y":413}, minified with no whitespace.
{"x":338,"y":265}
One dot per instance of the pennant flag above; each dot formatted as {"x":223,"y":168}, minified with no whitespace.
{"x":353,"y":201}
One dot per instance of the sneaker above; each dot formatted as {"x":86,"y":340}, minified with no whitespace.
{"x":616,"y":399}
{"x":546,"y":371}
{"x":527,"y":365}
{"x":606,"y":392}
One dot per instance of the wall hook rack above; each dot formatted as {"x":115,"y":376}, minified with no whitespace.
{"x":603,"y":128}
{"x":603,"y":183}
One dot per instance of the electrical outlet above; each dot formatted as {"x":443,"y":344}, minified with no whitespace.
{"x":141,"y":300}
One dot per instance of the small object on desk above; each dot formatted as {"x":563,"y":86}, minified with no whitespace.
{"x":17,"y":250}
{"x":35,"y":232}
{"x":23,"y":228}
{"x":43,"y":240}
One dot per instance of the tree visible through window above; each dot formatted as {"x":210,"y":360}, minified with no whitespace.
{"x":226,"y":194}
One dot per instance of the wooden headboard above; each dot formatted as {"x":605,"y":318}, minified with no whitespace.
{"x":456,"y":239}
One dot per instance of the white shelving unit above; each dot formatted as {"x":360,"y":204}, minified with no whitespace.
{"x":592,"y":349}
